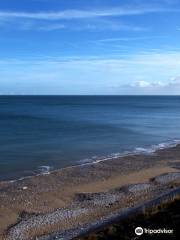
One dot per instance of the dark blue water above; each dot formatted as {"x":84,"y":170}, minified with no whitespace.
{"x":59,"y":131}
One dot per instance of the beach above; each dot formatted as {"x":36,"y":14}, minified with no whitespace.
{"x":68,"y":200}
{"x":89,"y":119}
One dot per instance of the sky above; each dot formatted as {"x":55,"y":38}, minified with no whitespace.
{"x":81,"y":47}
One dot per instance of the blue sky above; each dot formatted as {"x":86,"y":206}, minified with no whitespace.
{"x":89,"y":47}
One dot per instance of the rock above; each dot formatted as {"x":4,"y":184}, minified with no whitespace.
{"x":135,"y":188}
{"x":167,"y":178}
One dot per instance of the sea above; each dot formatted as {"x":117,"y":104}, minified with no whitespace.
{"x":39,"y":134}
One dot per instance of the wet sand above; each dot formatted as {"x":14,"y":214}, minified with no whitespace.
{"x":73,"y":197}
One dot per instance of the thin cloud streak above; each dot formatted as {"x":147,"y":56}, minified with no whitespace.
{"x":127,"y":39}
{"x":81,"y":14}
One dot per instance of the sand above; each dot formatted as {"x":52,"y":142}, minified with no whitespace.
{"x":74,"y":196}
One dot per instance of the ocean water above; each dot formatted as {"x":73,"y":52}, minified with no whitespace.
{"x":40,"y":133}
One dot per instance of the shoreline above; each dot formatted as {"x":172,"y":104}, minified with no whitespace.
{"x":69,"y":196}
{"x":150,"y":150}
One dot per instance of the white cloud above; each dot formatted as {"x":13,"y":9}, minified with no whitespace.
{"x":127,"y":39}
{"x":80,"y":14}
{"x":147,"y":84}
{"x":93,"y":24}
{"x":175,"y":81}
{"x":105,"y":24}
{"x":51,"y":27}
{"x":58,"y":19}
{"x":149,"y":72}
{"x":141,"y":84}
{"x":157,"y":85}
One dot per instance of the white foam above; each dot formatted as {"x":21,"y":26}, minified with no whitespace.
{"x":149,"y":150}
{"x":45,"y":169}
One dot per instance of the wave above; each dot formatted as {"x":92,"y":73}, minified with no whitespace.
{"x":46,"y":169}
{"x":138,"y":150}
{"x":157,"y":147}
